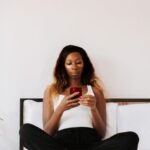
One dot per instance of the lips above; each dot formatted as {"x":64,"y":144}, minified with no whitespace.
{"x":75,"y":73}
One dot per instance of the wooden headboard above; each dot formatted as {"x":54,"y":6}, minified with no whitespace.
{"x":120,"y":101}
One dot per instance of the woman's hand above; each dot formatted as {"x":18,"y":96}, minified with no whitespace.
{"x":69,"y":102}
{"x":88,"y":100}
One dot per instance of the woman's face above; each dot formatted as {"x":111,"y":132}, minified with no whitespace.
{"x":74,"y":65}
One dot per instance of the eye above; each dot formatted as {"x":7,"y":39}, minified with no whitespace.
{"x":68,"y":63}
{"x":79,"y":62}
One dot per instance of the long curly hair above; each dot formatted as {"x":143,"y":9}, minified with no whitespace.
{"x":61,"y":81}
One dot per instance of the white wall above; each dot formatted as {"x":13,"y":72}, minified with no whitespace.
{"x":32,"y":32}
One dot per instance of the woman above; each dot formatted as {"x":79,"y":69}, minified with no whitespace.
{"x":72,"y":121}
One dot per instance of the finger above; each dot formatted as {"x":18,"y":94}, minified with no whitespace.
{"x":83,"y":97}
{"x":73,"y":101}
{"x":87,"y":97}
{"x":84,"y":102}
{"x":87,"y":102}
{"x":90,"y":98}
{"x":72,"y":95}
{"x":73,"y":105}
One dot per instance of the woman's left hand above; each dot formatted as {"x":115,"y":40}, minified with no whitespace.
{"x":88,"y":100}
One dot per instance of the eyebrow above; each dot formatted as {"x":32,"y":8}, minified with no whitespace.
{"x":75,"y":59}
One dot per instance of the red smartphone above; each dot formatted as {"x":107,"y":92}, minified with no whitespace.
{"x":76,"y":89}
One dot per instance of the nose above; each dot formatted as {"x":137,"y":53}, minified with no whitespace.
{"x":74,"y":66}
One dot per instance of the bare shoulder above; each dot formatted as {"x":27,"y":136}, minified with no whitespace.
{"x":47,"y":93}
{"x":98,"y":92}
{"x":47,"y":104}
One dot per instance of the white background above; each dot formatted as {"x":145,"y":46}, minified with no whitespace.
{"x":115,"y":34}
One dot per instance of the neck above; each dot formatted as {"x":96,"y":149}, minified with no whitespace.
{"x":75,"y":82}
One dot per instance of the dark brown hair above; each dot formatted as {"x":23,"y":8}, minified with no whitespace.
{"x":61,"y":82}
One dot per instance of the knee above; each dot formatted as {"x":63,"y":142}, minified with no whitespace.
{"x":134,"y":136}
{"x":26,"y":130}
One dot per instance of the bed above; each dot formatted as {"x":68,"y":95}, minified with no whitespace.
{"x":123,"y":114}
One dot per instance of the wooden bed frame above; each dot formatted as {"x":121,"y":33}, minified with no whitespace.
{"x":120,"y":101}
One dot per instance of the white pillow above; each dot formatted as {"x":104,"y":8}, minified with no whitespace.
{"x":135,"y":117}
{"x":33,"y":113}
{"x":111,"y":120}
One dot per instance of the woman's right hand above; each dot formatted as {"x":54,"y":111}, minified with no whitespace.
{"x":69,"y":102}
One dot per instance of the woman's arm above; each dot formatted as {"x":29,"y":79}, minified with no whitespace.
{"x":99,"y":113}
{"x":51,"y":118}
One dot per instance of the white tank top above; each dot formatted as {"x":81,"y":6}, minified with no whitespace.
{"x":79,"y":116}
